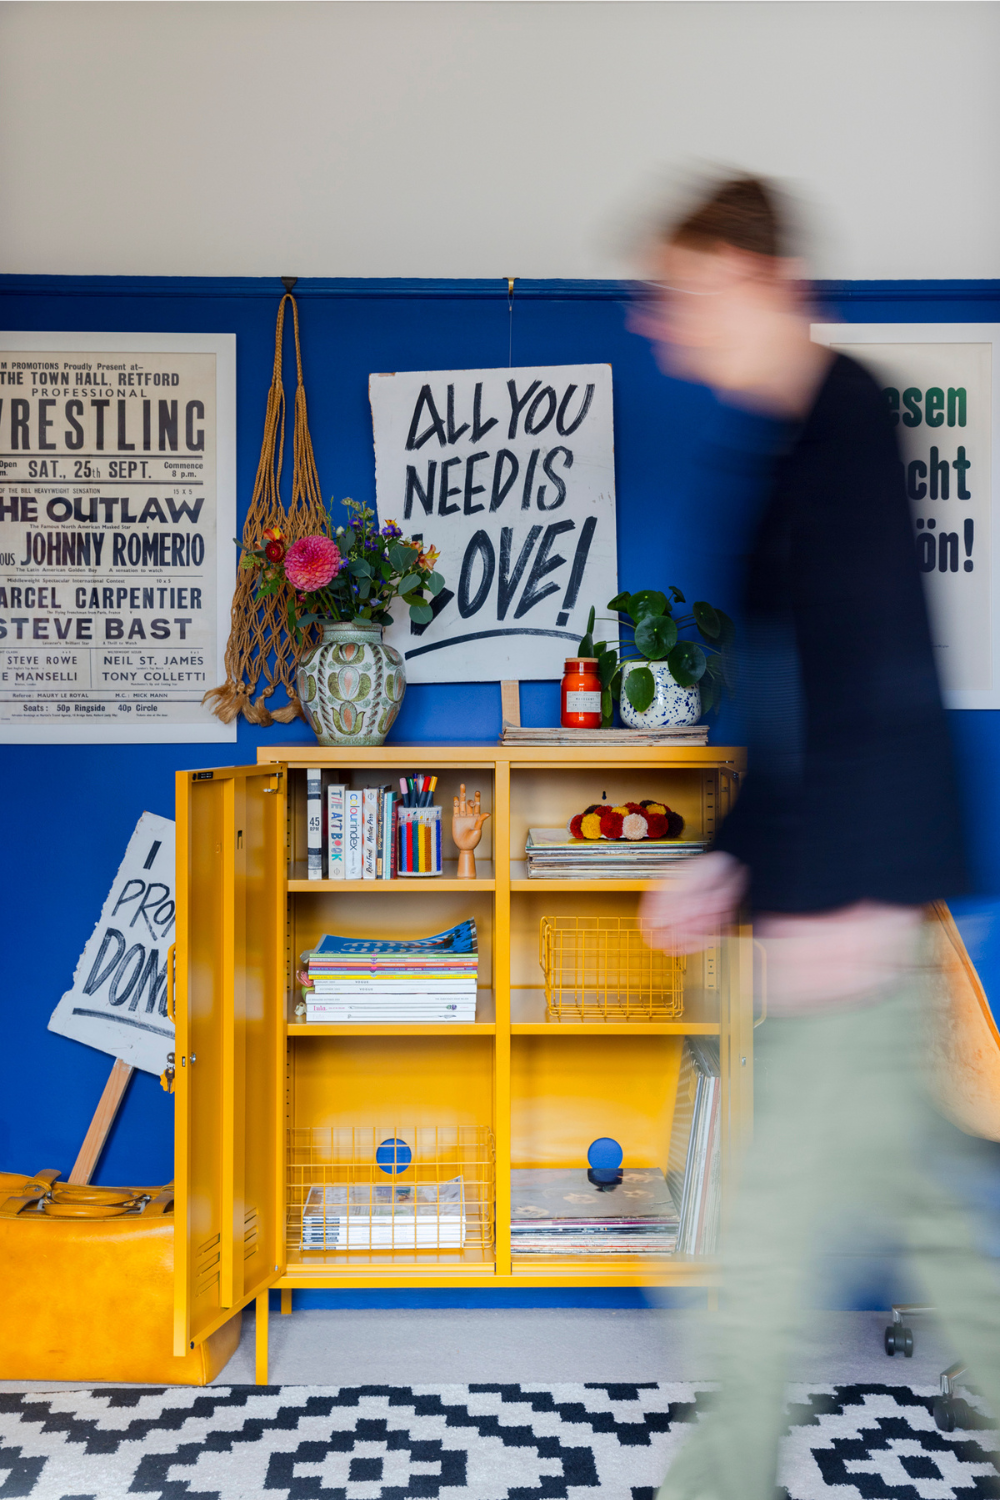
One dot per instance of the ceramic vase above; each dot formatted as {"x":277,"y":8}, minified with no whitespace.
{"x":671,"y":705}
{"x":351,"y":685}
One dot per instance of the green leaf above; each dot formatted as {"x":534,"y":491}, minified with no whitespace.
{"x":421,"y":614}
{"x":708,"y":621}
{"x":710,"y":695}
{"x":676,"y":594}
{"x":415,"y":596}
{"x":640,"y":689}
{"x":654,"y":636}
{"x":622,"y":603}
{"x":607,"y":709}
{"x":359,"y":568}
{"x":586,"y":646}
{"x":435,"y":583}
{"x":616,"y":686}
{"x":648,"y":602}
{"x":409,"y":583}
{"x":727,"y":630}
{"x":687,"y":663}
{"x":607,"y":666}
{"x":364,"y":588}
{"x":401,"y":557}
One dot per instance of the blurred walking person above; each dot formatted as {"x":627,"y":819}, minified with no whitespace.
{"x":847,"y":826}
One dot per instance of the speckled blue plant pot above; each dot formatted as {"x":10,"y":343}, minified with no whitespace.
{"x":671,"y":705}
{"x":351,"y":685}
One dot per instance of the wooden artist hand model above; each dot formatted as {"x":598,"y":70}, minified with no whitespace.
{"x":467,"y":829}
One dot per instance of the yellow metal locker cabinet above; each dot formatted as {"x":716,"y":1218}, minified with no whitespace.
{"x":259,"y":1096}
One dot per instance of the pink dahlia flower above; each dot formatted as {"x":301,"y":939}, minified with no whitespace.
{"x":311,"y":562}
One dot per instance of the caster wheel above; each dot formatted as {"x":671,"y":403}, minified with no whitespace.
{"x":944,"y":1414}
{"x":890,"y":1340}
{"x":904,"y":1341}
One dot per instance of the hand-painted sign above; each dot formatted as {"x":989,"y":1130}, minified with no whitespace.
{"x":510,"y":475}
{"x":940,"y":382}
{"x":118,"y":1002}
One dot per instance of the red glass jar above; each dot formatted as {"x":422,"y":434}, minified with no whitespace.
{"x":581,"y":693}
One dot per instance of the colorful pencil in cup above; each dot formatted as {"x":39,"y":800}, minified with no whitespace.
{"x":420,"y":840}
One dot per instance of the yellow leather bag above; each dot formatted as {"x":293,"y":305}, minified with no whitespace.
{"x":88,"y":1286}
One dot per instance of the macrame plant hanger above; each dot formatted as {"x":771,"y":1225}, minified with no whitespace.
{"x":259,"y":642}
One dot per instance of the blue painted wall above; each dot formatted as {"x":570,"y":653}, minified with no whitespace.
{"x":69,"y":810}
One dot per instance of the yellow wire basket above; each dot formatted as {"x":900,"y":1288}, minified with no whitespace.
{"x":601,"y":969}
{"x":389,"y":1188}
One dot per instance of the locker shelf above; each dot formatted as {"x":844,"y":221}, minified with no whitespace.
{"x":402,"y":886}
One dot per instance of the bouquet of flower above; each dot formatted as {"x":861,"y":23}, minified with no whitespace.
{"x":353,"y":573}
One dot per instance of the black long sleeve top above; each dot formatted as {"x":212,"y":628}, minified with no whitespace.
{"x":851,"y":791}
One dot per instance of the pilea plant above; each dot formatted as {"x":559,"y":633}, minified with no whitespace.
{"x":653,"y":632}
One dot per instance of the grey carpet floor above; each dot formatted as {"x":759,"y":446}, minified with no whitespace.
{"x":414,"y":1347}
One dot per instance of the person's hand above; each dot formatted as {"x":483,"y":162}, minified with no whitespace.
{"x":467,"y":821}
{"x":684,"y":914}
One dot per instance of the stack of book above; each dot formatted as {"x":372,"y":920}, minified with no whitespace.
{"x":670,"y":734}
{"x":694,"y":1163}
{"x":554,"y":854}
{"x":395,"y":981}
{"x":351,"y":831}
{"x":562,"y":1211}
{"x":385,"y":1216}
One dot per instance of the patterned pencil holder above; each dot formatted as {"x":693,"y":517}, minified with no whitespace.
{"x":419,"y":841}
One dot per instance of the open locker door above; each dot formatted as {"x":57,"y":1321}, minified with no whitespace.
{"x":229,"y":992}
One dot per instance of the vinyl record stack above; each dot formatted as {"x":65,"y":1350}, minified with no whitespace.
{"x":563,"y":1211}
{"x":553,"y":854}
{"x":695,"y":1163}
{"x":395,"y":981}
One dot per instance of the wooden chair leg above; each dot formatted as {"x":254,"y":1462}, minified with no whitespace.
{"x":262,"y":1314}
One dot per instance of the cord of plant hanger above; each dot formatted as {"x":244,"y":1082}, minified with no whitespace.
{"x":351,"y":573}
{"x":653,"y":634}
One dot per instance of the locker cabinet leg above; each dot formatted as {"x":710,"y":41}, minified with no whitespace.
{"x":262,"y":1312}
{"x":286,"y":1300}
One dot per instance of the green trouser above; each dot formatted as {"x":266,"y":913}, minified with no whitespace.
{"x":846,"y":1153}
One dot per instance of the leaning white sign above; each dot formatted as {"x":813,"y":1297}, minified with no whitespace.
{"x":118,"y":1002}
{"x":941,"y":384}
{"x":510,"y":475}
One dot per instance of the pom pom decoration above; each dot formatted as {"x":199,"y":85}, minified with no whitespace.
{"x":611,"y":824}
{"x":627,"y":820}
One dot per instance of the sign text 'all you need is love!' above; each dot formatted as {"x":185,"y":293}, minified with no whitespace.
{"x":510,"y":475}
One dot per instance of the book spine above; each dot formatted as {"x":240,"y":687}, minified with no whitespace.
{"x":388,"y":851}
{"x":395,"y":837}
{"x":369,"y":842}
{"x":335,"y":832}
{"x":314,"y":825}
{"x":379,"y":834}
{"x":352,"y":835}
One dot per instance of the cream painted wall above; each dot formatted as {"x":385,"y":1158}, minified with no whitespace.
{"x":484,"y":139}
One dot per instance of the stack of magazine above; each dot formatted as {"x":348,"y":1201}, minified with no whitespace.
{"x":563,"y":1211}
{"x":554,"y":854}
{"x":385,"y":1216}
{"x":694,"y":1164}
{"x":358,"y":980}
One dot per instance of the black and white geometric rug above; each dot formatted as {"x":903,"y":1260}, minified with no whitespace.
{"x":460,"y":1442}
